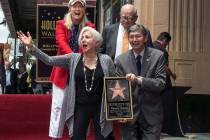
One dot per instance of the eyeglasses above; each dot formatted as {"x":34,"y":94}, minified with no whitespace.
{"x":128,"y":18}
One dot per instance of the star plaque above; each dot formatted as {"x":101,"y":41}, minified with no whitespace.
{"x":118,"y":99}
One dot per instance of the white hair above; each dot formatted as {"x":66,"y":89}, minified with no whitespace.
{"x":96,"y":35}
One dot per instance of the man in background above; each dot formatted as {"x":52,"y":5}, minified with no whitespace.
{"x":115,"y":36}
{"x":161,"y":43}
{"x":11,"y":79}
{"x":170,"y":122}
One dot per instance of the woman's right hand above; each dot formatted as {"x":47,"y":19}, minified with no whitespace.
{"x":25,"y":39}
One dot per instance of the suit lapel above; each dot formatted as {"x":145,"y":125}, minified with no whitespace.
{"x":145,"y":62}
{"x":132,"y":60}
{"x":113,"y":33}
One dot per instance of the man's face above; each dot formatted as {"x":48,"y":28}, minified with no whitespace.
{"x":164,"y":43}
{"x":7,"y":65}
{"x":77,"y":12}
{"x":127,"y":17}
{"x":137,"y":41}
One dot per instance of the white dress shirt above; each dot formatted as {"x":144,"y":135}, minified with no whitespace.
{"x":119,"y":43}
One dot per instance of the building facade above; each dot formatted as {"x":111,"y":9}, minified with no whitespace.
{"x":188,"y":23}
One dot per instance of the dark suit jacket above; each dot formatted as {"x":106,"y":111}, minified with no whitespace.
{"x":146,"y":97}
{"x":157,"y":45}
{"x":110,"y":40}
{"x":13,"y":80}
{"x":22,"y":83}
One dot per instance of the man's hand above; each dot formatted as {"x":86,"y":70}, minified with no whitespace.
{"x":131,"y":77}
{"x":173,"y":75}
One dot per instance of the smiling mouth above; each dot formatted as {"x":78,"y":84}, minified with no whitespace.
{"x":77,"y":14}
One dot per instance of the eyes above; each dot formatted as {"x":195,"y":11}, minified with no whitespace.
{"x":86,"y":37}
{"x":128,"y":18}
{"x":137,"y":36}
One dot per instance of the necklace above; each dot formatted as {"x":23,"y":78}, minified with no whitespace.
{"x":92,"y":78}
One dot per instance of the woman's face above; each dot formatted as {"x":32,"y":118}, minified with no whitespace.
{"x":87,"y":42}
{"x":77,"y":12}
{"x":137,"y":40}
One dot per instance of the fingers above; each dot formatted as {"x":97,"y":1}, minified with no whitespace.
{"x":131,"y":76}
{"x":21,"y":34}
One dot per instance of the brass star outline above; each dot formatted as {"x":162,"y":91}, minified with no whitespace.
{"x":117,"y":90}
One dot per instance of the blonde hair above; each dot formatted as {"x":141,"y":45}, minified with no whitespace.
{"x":68,"y":21}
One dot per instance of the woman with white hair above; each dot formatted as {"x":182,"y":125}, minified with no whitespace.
{"x":67,"y":32}
{"x":83,"y":97}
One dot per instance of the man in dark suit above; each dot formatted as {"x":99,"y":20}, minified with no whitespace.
{"x":11,"y":79}
{"x":170,"y":122}
{"x":113,"y":34}
{"x":161,"y":43}
{"x":22,"y":85}
{"x":144,"y":67}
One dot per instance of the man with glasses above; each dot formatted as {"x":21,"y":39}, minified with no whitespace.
{"x":115,"y":36}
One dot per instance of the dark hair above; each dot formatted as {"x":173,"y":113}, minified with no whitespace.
{"x":138,"y":27}
{"x":164,"y":36}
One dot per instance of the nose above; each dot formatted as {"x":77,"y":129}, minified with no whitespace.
{"x":77,"y":8}
{"x":83,"y":40}
{"x":134,"y":38}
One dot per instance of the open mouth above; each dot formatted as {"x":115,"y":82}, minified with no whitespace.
{"x":84,"y":46}
{"x":77,"y":13}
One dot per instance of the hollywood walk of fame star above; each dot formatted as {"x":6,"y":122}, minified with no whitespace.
{"x":117,"y":91}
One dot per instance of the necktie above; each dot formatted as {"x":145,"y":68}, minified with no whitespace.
{"x":125,"y":42}
{"x":138,"y":64}
{"x":74,"y":38}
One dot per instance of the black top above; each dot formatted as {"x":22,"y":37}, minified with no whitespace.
{"x":95,"y":95}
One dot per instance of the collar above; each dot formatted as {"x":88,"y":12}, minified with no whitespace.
{"x":141,"y":53}
{"x":121,"y":28}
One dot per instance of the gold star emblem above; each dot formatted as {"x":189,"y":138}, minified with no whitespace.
{"x":117,"y":91}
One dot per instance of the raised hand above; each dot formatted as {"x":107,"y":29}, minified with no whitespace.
{"x":25,"y":39}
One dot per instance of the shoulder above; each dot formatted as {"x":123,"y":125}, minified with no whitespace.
{"x":157,"y":45}
{"x":90,"y":24}
{"x":60,"y":21}
{"x":112,"y":26}
{"x":124,"y":56}
{"x":74,"y":55}
{"x":104,"y":56}
{"x":154,"y":52}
